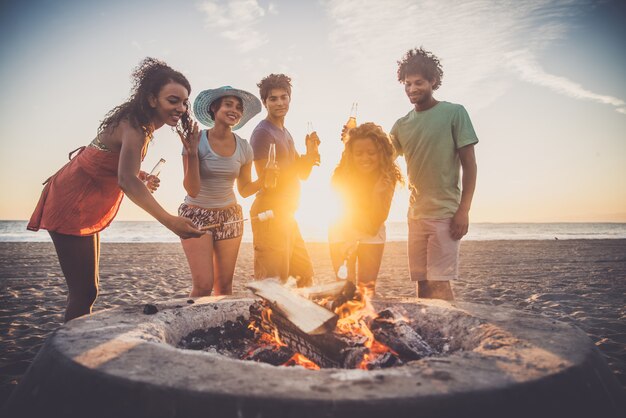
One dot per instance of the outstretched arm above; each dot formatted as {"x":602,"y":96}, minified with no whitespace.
{"x":460,"y":221}
{"x":128,"y":180}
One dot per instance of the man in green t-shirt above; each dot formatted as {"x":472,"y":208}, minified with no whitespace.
{"x":436,"y":139}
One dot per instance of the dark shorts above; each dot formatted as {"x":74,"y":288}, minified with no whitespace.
{"x":279,"y":250}
{"x":203,"y":217}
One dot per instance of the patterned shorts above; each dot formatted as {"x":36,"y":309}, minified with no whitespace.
{"x":203,"y":217}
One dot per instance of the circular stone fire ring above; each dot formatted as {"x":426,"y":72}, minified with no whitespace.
{"x":123,"y":363}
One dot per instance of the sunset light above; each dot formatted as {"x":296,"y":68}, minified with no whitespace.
{"x":323,"y":208}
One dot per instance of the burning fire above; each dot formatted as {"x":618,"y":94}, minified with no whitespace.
{"x":299,"y":360}
{"x":353,"y":315}
{"x":353,"y":318}
{"x":267,"y":334}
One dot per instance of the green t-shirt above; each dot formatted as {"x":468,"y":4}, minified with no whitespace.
{"x":429,"y":141}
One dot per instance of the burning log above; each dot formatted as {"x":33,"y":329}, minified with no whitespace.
{"x":327,"y":350}
{"x":330,"y":350}
{"x":361,"y":338}
{"x":307,"y":316}
{"x":391,"y":329}
{"x":273,"y":355}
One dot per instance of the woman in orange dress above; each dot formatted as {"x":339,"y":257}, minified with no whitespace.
{"x":83,"y":197}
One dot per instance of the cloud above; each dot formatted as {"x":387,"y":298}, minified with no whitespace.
{"x":236,"y":21}
{"x":475,"y":40}
{"x":525,"y":64}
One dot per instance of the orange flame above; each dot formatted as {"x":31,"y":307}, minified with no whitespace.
{"x":353,"y":317}
{"x":300,"y":360}
{"x":268,"y":333}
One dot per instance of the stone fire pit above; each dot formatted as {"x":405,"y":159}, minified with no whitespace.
{"x":123,"y":363}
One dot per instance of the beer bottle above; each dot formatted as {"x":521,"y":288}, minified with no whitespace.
{"x":271,"y":169}
{"x":351,"y":123}
{"x":156,"y":170}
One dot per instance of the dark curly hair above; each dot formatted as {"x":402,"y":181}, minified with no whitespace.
{"x":149,"y":77}
{"x":345,"y":169}
{"x":274,"y":81}
{"x":422,"y":62}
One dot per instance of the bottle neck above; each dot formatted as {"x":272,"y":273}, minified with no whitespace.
{"x":271,"y":156}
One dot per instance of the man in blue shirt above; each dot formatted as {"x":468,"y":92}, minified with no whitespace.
{"x":279,"y":249}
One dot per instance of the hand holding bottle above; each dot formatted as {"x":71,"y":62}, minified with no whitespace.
{"x":351,"y":123}
{"x":312,"y":142}
{"x":151,"y":180}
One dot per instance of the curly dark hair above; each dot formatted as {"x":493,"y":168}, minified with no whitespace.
{"x":345,"y":169}
{"x":274,"y":81}
{"x":148,"y":78}
{"x":422,"y":62}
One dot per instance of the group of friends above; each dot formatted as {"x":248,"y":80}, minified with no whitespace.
{"x":436,"y":138}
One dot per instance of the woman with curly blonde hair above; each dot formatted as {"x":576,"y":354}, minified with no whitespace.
{"x":365,"y":178}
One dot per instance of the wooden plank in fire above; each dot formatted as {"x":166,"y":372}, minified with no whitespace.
{"x":326,"y":350}
{"x":307,"y":316}
{"x":331,"y":289}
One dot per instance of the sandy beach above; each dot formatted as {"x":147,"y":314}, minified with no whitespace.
{"x":582,"y":282}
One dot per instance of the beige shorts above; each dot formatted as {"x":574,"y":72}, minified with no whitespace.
{"x":433,"y":253}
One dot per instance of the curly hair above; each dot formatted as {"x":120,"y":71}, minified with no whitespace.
{"x":422,"y":62}
{"x":274,"y":81}
{"x":149,"y":77}
{"x":345,"y":172}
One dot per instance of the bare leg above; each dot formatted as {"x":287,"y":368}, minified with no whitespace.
{"x":338,"y":255}
{"x":199,"y":252}
{"x":225,"y":260}
{"x":369,"y":257}
{"x":79,"y":260}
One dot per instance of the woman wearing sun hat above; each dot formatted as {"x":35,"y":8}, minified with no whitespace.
{"x":212,"y":161}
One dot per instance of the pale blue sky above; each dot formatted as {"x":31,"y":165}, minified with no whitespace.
{"x":543,"y":82}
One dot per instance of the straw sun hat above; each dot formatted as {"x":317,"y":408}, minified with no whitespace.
{"x":251,"y":105}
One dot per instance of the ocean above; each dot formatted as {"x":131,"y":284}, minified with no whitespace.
{"x":151,"y":231}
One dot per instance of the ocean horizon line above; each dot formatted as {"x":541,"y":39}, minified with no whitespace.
{"x":396,"y":221}
{"x":397,"y":231}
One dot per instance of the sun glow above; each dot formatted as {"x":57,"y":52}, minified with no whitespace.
{"x":319,"y":208}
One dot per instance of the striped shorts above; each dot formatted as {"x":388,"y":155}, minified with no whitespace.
{"x":203,"y":217}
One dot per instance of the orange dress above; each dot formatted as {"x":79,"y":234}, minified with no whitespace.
{"x":83,"y":197}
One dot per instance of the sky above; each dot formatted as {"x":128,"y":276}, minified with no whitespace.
{"x":543,"y":81}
